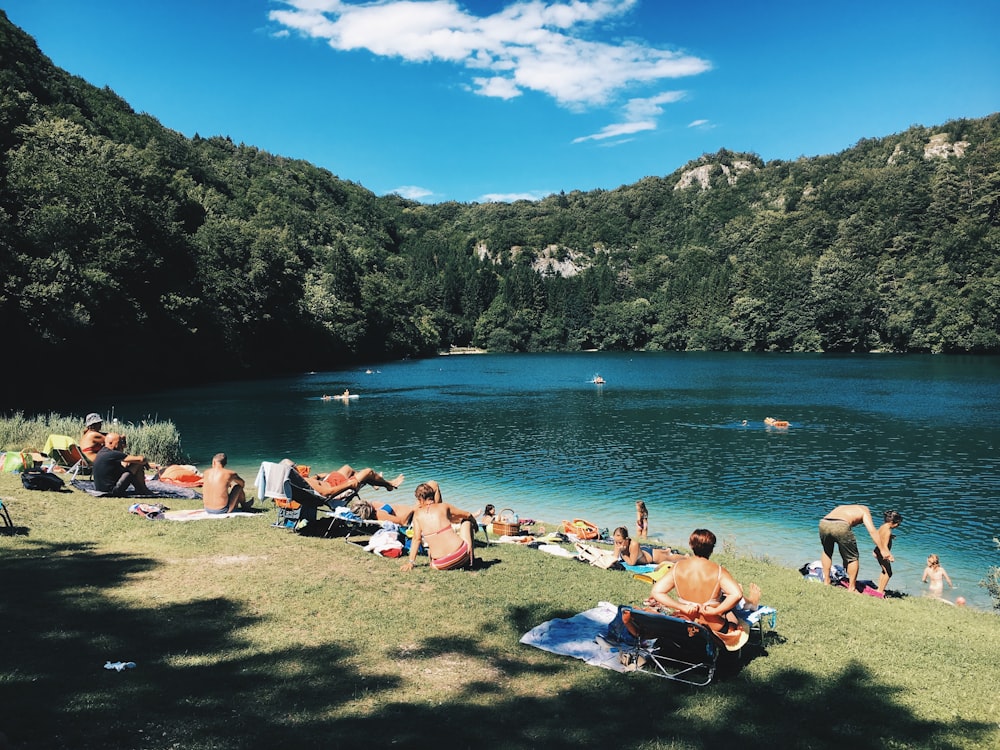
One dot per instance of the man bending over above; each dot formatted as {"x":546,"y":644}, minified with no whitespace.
{"x":837,"y":528}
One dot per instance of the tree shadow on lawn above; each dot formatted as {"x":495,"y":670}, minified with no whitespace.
{"x":194,"y":686}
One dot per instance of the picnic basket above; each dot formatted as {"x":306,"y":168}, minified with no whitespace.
{"x":506,"y":523}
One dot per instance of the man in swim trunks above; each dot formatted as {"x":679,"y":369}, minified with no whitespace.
{"x":837,"y":528}
{"x":222,"y":488}
{"x":432,"y":525}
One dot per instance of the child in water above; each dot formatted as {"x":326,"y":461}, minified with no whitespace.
{"x":641,"y":520}
{"x":885,"y":537}
{"x":937,"y":576}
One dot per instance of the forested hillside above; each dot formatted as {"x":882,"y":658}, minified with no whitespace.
{"x":125,"y":245}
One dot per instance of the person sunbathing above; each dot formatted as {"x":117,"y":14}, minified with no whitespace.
{"x":92,"y":439}
{"x":396,"y":513}
{"x":485,"y":518}
{"x":631,"y":552}
{"x":705,"y":592}
{"x":346,"y":478}
{"x":432,"y":525}
{"x":222,"y":488}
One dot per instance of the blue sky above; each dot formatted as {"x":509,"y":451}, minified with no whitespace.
{"x":475,"y":101}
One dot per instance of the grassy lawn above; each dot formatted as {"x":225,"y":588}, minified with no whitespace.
{"x":249,"y":636}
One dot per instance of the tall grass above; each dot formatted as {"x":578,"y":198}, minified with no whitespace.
{"x":160,"y":442}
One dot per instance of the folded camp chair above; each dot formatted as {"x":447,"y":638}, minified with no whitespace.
{"x":665,"y":646}
{"x":295,"y":499}
{"x":64,"y":452}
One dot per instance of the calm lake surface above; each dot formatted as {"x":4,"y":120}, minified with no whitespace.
{"x":918,"y":434}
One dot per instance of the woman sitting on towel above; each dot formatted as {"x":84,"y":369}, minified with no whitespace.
{"x":432,"y":525}
{"x":706,"y":592}
{"x":633,"y":553}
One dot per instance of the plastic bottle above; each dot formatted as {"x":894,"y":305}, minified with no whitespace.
{"x":119,"y":665}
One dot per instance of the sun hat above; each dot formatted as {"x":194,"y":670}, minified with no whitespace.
{"x":92,"y":418}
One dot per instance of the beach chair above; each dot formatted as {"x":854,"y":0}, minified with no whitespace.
{"x":64,"y":452}
{"x":759,"y":620}
{"x":665,"y":646}
{"x":298,"y":504}
{"x":5,"y":517}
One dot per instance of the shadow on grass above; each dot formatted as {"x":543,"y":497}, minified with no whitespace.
{"x":194,"y":687}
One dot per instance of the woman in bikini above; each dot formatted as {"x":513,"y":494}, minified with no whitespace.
{"x":633,"y":553}
{"x":706,"y":592}
{"x":432,"y":522}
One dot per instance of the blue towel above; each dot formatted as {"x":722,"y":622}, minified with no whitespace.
{"x":638,"y":569}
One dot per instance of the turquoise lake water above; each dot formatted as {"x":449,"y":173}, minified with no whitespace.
{"x":918,"y":434}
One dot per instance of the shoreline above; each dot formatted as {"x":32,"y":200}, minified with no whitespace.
{"x":456,"y":350}
{"x":752,"y":537}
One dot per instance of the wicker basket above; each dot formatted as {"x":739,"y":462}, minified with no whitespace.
{"x":505,"y":524}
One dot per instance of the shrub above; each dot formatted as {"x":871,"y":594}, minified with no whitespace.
{"x":992,"y":581}
{"x":157,"y":441}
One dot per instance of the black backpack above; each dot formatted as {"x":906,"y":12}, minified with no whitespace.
{"x":33,"y":479}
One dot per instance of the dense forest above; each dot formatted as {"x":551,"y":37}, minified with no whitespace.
{"x":125,"y":243}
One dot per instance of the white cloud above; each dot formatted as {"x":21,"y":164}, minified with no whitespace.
{"x":619,"y":129}
{"x":530,"y":45}
{"x":501,"y":88}
{"x":702,"y":124}
{"x":640,"y":115}
{"x":412,"y":192}
{"x":510,"y":197}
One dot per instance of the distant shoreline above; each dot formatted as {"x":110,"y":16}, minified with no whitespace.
{"x":463,"y":350}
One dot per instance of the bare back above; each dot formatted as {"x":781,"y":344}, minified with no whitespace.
{"x":697,"y":580}
{"x":90,"y":443}
{"x":216,"y":483}
{"x":433,"y":523}
{"x":853,"y":514}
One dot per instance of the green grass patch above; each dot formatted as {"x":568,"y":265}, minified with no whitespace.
{"x":249,"y":636}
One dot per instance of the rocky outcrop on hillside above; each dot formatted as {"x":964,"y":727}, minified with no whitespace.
{"x":702,"y":174}
{"x":939,"y":147}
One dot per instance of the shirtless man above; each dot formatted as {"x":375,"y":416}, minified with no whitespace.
{"x":222,"y":488}
{"x":93,"y":439}
{"x":837,"y":528}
